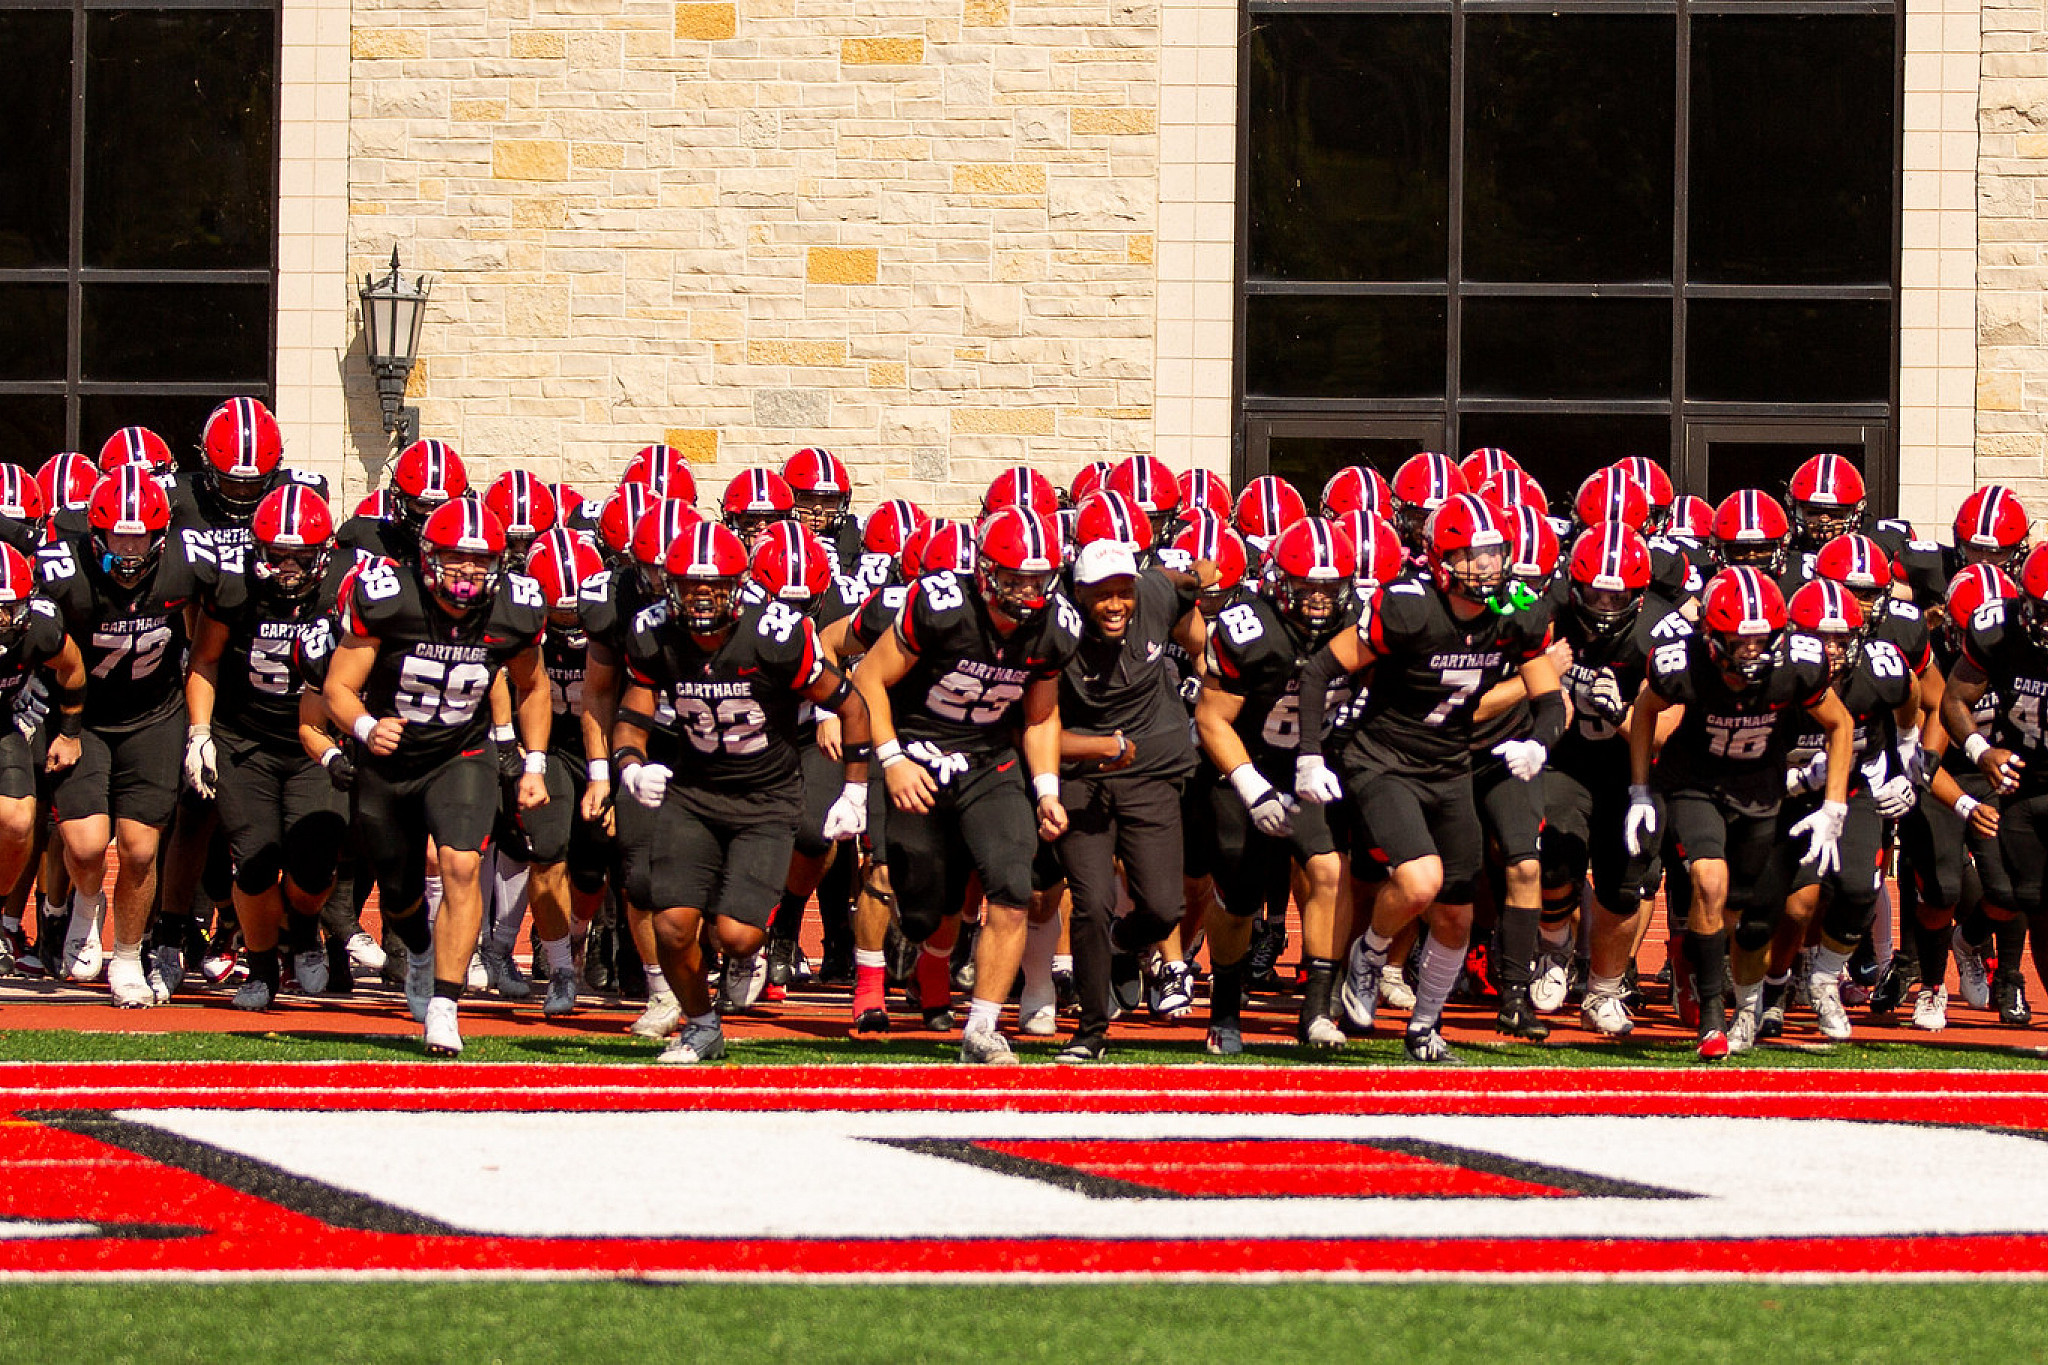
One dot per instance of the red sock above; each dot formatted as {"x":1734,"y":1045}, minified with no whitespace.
{"x":934,"y":979}
{"x":869,"y":990}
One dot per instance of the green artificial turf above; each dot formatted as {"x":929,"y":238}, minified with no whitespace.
{"x":1740,"y":1323}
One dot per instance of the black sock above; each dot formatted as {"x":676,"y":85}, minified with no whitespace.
{"x":1976,"y":926}
{"x":789,"y":916}
{"x":448,"y":990}
{"x":2040,"y":947}
{"x":1226,"y":993}
{"x":1518,"y":932}
{"x":1315,"y":995}
{"x":263,"y":967}
{"x":1931,"y":945}
{"x":2011,"y":937}
{"x":1708,"y":956}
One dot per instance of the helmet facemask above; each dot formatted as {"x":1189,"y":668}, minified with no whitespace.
{"x":819,"y":512}
{"x":13,"y":622}
{"x":415,"y":511}
{"x":1815,"y":524}
{"x":1311,"y":602}
{"x":705,"y":606}
{"x":1767,"y":557}
{"x":1019,"y":594}
{"x":748,"y":525}
{"x":240,"y":495}
{"x":2008,"y":559}
{"x":291,"y":570}
{"x":128,"y":556}
{"x":462,"y":580}
{"x":1747,"y":657}
{"x":1476,"y":573}
{"x":1607,"y":611}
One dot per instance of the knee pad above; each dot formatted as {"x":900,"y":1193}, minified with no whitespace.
{"x":1847,"y":918}
{"x":917,"y":926}
{"x":1753,"y":935}
{"x":1460,"y":892}
{"x":255,"y":875}
{"x":1558,"y":905}
{"x":411,"y":927}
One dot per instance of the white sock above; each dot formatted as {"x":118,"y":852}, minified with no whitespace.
{"x":1826,"y":962}
{"x":433,"y":897}
{"x":983,"y":1015}
{"x":560,"y":958}
{"x":1039,"y":942}
{"x":1063,"y":962}
{"x":1555,"y":935}
{"x":83,"y":913}
{"x":657,"y":980}
{"x":128,"y":952}
{"x":1603,"y":985}
{"x":870,"y":957}
{"x":1441,"y":964}
{"x":508,"y":895}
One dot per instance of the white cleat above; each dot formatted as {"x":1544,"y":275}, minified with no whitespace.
{"x":1395,"y":992}
{"x":478,"y":977}
{"x":696,"y":1043}
{"x":1827,"y":1007}
{"x":1606,"y":1015}
{"x":1749,"y":1011}
{"x":443,"y":1036}
{"x":1322,"y":1031}
{"x":365,"y":953}
{"x":129,"y":984}
{"x":1930,"y":1011}
{"x":987,"y":1047}
{"x":661,"y":1017}
{"x":1359,"y":995}
{"x":1551,"y":982}
{"x":83,"y":955}
{"x":1042,"y":1022}
{"x":309,"y":969}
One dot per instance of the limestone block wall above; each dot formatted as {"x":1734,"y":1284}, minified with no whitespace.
{"x":2012,"y":257}
{"x":920,"y":232}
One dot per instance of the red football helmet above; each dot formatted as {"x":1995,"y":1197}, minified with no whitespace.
{"x":621,"y":517}
{"x":940,"y":546}
{"x":754,"y":498}
{"x":1422,"y":484}
{"x":1827,"y":610}
{"x":291,"y":535}
{"x":137,"y":446}
{"x":568,"y":502}
{"x":1826,"y":497}
{"x":1376,"y":547}
{"x":130,"y":505}
{"x":1991,"y":527}
{"x":17,"y":587}
{"x":659,"y":528}
{"x":462,"y":554}
{"x":1111,"y":515}
{"x":1150,"y":485}
{"x":1742,"y":614}
{"x":1017,"y":561}
{"x":1357,"y":488}
{"x":1468,"y":547}
{"x":426,"y":475}
{"x":1611,"y":495}
{"x":821,"y":485}
{"x":67,"y":481}
{"x":1205,"y":488}
{"x":1308,"y":569}
{"x":792,"y":564}
{"x":1972,"y":588}
{"x":1610,"y":572}
{"x":704,"y":568}
{"x":561,"y":561}
{"x":1693,"y":517}
{"x":1858,"y":563}
{"x":1268,"y":506}
{"x":1209,"y":538}
{"x":1750,"y":528}
{"x":1484,"y":465}
{"x":1087,"y":479}
{"x":1512,"y":488}
{"x":1533,"y":550}
{"x":664,"y":470}
{"x":376,"y":506}
{"x":889,"y":527}
{"x":523,"y":505}
{"x":1021,"y":486}
{"x":243,"y":447}
{"x":1656,"y":485}
{"x":21,"y":497}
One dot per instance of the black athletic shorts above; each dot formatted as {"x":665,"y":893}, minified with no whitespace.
{"x":823,"y":779}
{"x":281,"y":814}
{"x":21,"y":761}
{"x":128,"y":774}
{"x":1510,"y":809}
{"x":2023,"y":847}
{"x":983,"y":821}
{"x":1706,"y":828}
{"x":455,"y":803}
{"x":1249,"y":867}
{"x":1408,"y":818}
{"x":1932,"y":852}
{"x":723,"y":854}
{"x":557,"y":832}
{"x":1583,"y":834}
{"x":1198,"y":821}
{"x":1863,"y":846}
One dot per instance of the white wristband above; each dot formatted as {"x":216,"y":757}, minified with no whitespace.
{"x":600,"y":770}
{"x":327,"y":760}
{"x":1975,"y":748}
{"x":1251,"y":784}
{"x":198,"y":727}
{"x":536,"y":762}
{"x":365,"y":726}
{"x":889,"y":753}
{"x":1965,"y":804}
{"x":504,"y":734}
{"x":1047,"y":786}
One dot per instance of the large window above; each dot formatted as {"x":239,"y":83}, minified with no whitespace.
{"x":137,"y":218}
{"x":1578,"y":233}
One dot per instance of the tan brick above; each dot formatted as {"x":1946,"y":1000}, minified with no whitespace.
{"x":796,"y":353}
{"x":1138,"y":248}
{"x":2033,"y":146}
{"x":1004,"y":421}
{"x":1998,"y":392}
{"x":416,"y":378}
{"x":369,"y":43}
{"x":999,"y":179}
{"x":1113,"y":121}
{"x":699,"y":446}
{"x":366,"y":209}
{"x":537,"y":311}
{"x":881,"y":51}
{"x":542,"y":43}
{"x":984,"y":13}
{"x":713,"y":325}
{"x":539,"y":213}
{"x":599,"y":155}
{"x":706,"y":23}
{"x":478,"y":111}
{"x":515,"y":158}
{"x":889,"y":375}
{"x":841,"y":265}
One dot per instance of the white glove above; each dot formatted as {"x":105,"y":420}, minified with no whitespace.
{"x":1912,"y":758}
{"x":1823,"y":831}
{"x":1272,"y":813}
{"x":1810,"y":778}
{"x":1523,"y":757}
{"x":31,"y":704}
{"x":847,"y":818}
{"x":1642,"y":821}
{"x":202,"y":762}
{"x":1896,"y":798}
{"x":1314,"y":783}
{"x":1601,"y":695}
{"x":646,"y":783}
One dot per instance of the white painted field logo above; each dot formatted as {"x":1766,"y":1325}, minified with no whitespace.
{"x":882,"y":1171}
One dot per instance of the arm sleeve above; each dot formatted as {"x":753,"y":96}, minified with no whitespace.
{"x":1546,"y":719}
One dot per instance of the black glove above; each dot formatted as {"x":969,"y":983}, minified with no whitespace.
{"x":511,"y":762}
{"x":341,"y":769}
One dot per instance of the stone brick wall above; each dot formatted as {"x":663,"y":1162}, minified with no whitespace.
{"x":921,"y":232}
{"x":2012,"y":231}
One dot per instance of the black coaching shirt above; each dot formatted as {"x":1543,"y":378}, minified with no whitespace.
{"x":1133,"y":685}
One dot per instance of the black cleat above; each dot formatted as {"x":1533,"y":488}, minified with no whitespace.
{"x":1126,"y":982}
{"x":1771,"y":1021}
{"x":1269,"y":940}
{"x":782,"y":959}
{"x":871,"y":1021}
{"x":1518,"y":1018}
{"x":2009,"y":998}
{"x":837,"y":968}
{"x":939,"y":1019}
{"x":1894,"y":986}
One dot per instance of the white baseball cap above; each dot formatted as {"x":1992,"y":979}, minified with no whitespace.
{"x":1104,"y":559}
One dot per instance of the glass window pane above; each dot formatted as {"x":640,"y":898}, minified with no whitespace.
{"x":181,"y":108}
{"x":1350,"y":347}
{"x":1750,"y":350}
{"x":35,"y":127}
{"x":1567,"y":348}
{"x":1792,"y":136}
{"x":31,"y":429}
{"x":1307,"y":462}
{"x":177,"y":332}
{"x":1348,"y":168}
{"x":1735,"y":465}
{"x":1568,"y":146}
{"x":1561,"y":449}
{"x":175,"y":417}
{"x":32,"y":325}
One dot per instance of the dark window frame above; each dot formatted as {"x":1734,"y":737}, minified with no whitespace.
{"x":74,"y":388}
{"x":1688,"y":417}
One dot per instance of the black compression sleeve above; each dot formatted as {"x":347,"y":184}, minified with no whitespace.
{"x":1546,"y":718}
{"x":1316,"y":676}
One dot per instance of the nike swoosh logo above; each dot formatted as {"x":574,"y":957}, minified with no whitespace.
{"x":1005,"y":767}
{"x":748,"y":672}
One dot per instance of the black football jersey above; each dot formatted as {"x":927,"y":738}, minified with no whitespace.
{"x":1131,"y":685}
{"x":133,"y":639}
{"x":1872,"y":688}
{"x":40,"y":641}
{"x":259,"y":679}
{"x":732,"y":710}
{"x":196,"y":506}
{"x":1927,"y":565}
{"x":566,"y":655}
{"x":965,"y":691}
{"x":607,"y":604}
{"x":435,"y":670}
{"x":1997,"y":640}
{"x":1256,"y":651}
{"x":1680,"y":565}
{"x":1593,"y":747}
{"x":1429,"y":673}
{"x":1728,"y":742}
{"x":876,"y":616}
{"x":368,"y":538}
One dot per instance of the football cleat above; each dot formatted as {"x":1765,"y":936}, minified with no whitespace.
{"x":1930,"y":1011}
{"x":1517,"y":1018}
{"x":1606,"y":1015}
{"x":561,"y":997}
{"x":871,"y":1021}
{"x":696,"y":1043}
{"x":365,"y":952}
{"x":501,"y":973}
{"x":1427,"y":1045}
{"x":1224,"y":1040}
{"x":1042,"y":1022}
{"x":443,"y":1038}
{"x":1749,"y":1004}
{"x":2009,"y":996}
{"x":986,"y":1047}
{"x":1713,"y":1045}
{"x":785,"y":960}
{"x":663,"y":1013}
{"x":166,"y":971}
{"x":223,"y":951}
{"x":129,"y":986}
{"x":1358,"y":995}
{"x":419,"y":982}
{"x":309,"y":969}
{"x":1771,"y":1022}
{"x":1975,"y":982}
{"x":1171,"y":996}
{"x":740,"y":987}
{"x":478,"y":976}
{"x":1550,"y":982}
{"x":83,"y":955}
{"x":1320,"y":1030}
{"x":253,"y":995}
{"x":1078,"y":1053}
{"x":1395,"y":991}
